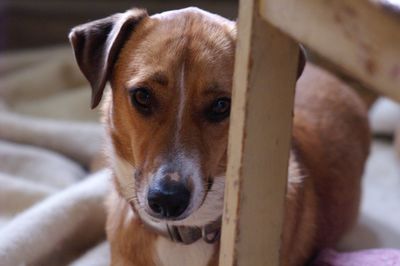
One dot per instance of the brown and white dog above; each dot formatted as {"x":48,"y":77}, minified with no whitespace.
{"x":167,"y":117}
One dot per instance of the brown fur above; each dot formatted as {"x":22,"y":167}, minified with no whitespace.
{"x":180,"y":40}
{"x":330,"y":134}
{"x":331,"y":143}
{"x":127,"y":236}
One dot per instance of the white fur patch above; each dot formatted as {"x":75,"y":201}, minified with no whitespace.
{"x":212,"y":207}
{"x":124,"y":172}
{"x":294,"y":172}
{"x":174,"y":254}
{"x":191,"y":167}
{"x":182,"y":102}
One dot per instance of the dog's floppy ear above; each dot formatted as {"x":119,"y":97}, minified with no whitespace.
{"x":302,"y":61}
{"x":97,"y":44}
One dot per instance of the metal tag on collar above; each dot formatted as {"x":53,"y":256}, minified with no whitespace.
{"x":189,"y":235}
{"x":210,"y":236}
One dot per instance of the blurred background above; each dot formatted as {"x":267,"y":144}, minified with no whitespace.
{"x":51,"y":189}
{"x":28,"y":24}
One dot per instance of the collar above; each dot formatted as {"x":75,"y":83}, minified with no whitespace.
{"x":187,"y":235}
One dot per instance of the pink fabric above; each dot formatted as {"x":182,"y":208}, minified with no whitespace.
{"x":371,"y":257}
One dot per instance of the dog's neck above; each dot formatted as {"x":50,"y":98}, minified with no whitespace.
{"x":187,"y":235}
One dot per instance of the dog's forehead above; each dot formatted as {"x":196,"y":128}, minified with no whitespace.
{"x":165,"y":39}
{"x":193,"y":23}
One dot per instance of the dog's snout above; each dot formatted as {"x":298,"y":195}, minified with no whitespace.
{"x":168,"y":198}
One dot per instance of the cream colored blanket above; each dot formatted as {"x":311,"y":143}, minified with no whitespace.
{"x":51,"y":206}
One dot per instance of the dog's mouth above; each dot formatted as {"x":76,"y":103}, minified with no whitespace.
{"x":178,"y":221}
{"x":203,"y":209}
{"x":190,"y":227}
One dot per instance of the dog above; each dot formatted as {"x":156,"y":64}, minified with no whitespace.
{"x":167,"y":118}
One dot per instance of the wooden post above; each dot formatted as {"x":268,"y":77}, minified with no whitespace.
{"x":356,"y":35}
{"x":259,"y":141}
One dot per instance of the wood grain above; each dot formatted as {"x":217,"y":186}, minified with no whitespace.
{"x":259,"y":140}
{"x":356,"y":35}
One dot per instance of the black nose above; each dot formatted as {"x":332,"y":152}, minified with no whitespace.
{"x":168,"y":199}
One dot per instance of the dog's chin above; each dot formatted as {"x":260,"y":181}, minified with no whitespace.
{"x":209,"y":211}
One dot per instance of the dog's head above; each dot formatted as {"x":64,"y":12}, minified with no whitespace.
{"x":168,"y":116}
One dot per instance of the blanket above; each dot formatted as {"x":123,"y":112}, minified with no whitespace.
{"x":52,"y":196}
{"x":372,"y":257}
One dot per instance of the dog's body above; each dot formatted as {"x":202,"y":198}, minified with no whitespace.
{"x":167,"y":119}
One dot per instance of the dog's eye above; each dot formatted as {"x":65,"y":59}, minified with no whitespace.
{"x":219,"y":109}
{"x":141,"y":98}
